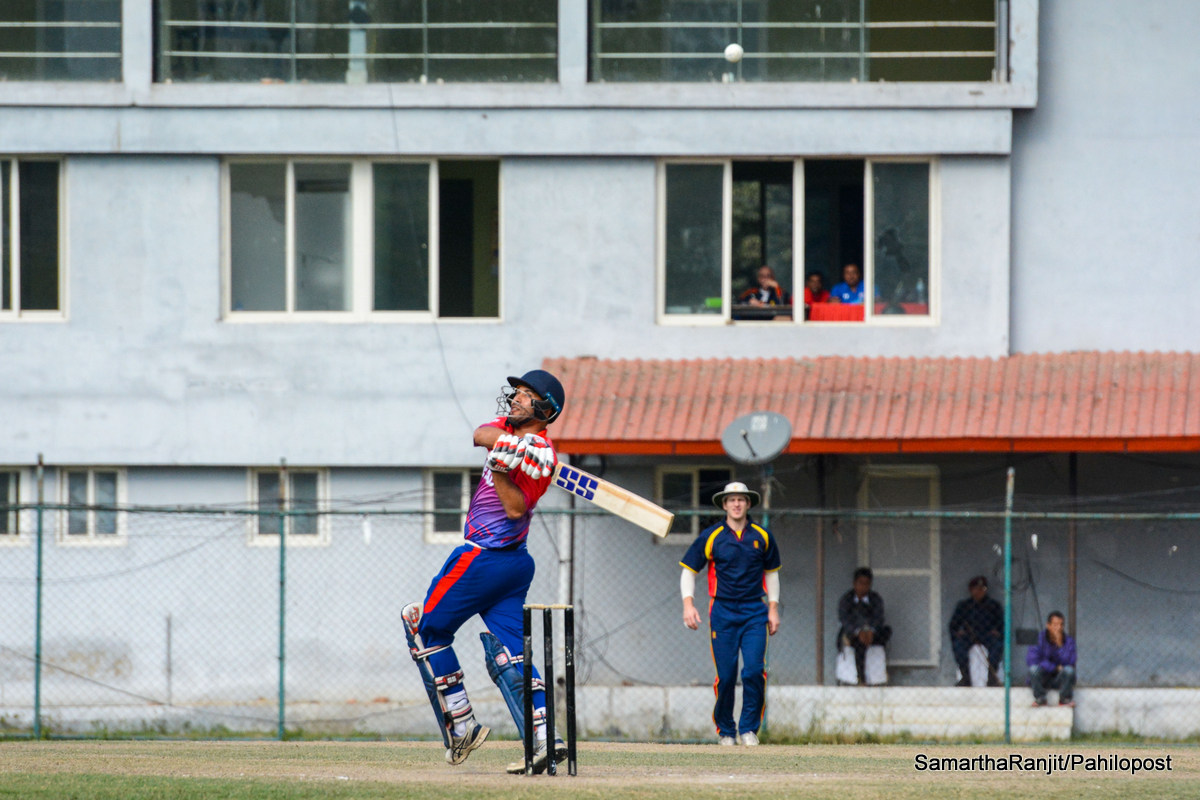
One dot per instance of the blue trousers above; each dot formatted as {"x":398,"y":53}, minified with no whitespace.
{"x":490,"y":583}
{"x":739,"y":626}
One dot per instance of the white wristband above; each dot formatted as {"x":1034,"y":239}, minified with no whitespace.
{"x":773,"y":587}
{"x":687,"y":583}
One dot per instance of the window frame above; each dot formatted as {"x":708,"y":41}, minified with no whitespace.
{"x":91,"y":538}
{"x":21,"y":519}
{"x":686,"y":538}
{"x":469,"y":481}
{"x":10,"y":261}
{"x":323,"y":536}
{"x":799,"y":267}
{"x":933,"y":572}
{"x":361,"y":272}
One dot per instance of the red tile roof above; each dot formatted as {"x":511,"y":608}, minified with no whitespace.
{"x":1044,"y":402}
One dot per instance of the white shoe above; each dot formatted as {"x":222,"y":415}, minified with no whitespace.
{"x":461,"y":746}
{"x":750,"y":739}
{"x":540,"y":760}
{"x":727,"y":741}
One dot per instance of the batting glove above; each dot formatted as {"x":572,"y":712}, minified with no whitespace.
{"x":539,"y":457}
{"x":504,"y":454}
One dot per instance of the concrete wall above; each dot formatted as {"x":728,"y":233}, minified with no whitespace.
{"x":1104,"y":210}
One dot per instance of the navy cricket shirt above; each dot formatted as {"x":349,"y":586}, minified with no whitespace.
{"x":738,"y":560}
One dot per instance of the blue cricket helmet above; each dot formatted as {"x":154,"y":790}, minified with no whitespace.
{"x":545,"y":386}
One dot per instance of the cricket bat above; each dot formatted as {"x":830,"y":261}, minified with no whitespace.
{"x":613,"y":499}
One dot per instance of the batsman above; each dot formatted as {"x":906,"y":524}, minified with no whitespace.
{"x":490,"y":573}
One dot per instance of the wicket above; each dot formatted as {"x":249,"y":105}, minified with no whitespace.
{"x":548,"y":678}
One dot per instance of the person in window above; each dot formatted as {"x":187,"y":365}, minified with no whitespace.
{"x":766,"y":291}
{"x":850,"y":290}
{"x":977,"y":620}
{"x":860,"y":611}
{"x":814,"y":292}
{"x":1052,"y":663}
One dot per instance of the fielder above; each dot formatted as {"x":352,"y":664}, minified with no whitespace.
{"x":490,"y":574}
{"x":743,"y":559}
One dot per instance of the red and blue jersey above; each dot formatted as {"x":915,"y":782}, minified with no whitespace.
{"x":737,"y":560}
{"x":487,"y":523}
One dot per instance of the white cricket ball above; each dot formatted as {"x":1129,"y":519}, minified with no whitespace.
{"x":734,"y":53}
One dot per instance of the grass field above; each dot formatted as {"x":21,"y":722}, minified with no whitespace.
{"x":124,"y":770}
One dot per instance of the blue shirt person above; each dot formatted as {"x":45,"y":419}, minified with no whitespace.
{"x":1051,"y":663}
{"x":742,"y":560}
{"x":850,"y":290}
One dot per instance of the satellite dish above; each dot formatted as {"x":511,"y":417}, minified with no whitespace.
{"x":757,"y":437}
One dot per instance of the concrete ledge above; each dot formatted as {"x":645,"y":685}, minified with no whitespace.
{"x":916,"y":712}
{"x":640,"y":713}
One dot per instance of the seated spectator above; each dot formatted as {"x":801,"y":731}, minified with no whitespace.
{"x":977,"y":620}
{"x":850,"y":290}
{"x":814,"y":292}
{"x":1052,"y":663}
{"x":860,"y":611}
{"x":766,"y":291}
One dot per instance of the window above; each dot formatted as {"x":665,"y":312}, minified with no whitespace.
{"x":723,"y":222}
{"x":359,"y":238}
{"x":447,"y":495}
{"x":905,"y":555}
{"x":688,"y":488}
{"x":30,"y":280}
{"x":92,"y":500}
{"x":10,"y":498}
{"x":357,"y":41}
{"x":784,"y":40}
{"x":60,"y":40}
{"x":307,"y":496}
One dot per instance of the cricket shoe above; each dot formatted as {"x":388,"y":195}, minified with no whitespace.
{"x":749,"y":739}
{"x":540,"y":762}
{"x":727,"y":741}
{"x":461,"y":746}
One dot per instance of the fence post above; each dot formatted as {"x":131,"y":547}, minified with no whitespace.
{"x":283,"y":495}
{"x":37,"y":634}
{"x":1008,"y":507}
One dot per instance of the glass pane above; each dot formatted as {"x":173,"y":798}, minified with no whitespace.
{"x":9,"y":496}
{"x":693,"y":238}
{"x":468,"y":238}
{"x":951,"y":32}
{"x":401,"y":237}
{"x":792,"y":40}
{"x":268,"y":502}
{"x":228,"y":40}
{"x":833,"y":226}
{"x":6,"y":265}
{"x":38,"y":188}
{"x":258,"y":245}
{"x":906,"y":600}
{"x":762,"y":236}
{"x":60,"y":40}
{"x":77,"y":496}
{"x":710,"y":482}
{"x":323,"y":238}
{"x":447,"y":494}
{"x":465,"y":43}
{"x":355,"y":41}
{"x":106,"y":496}
{"x":304,"y":499}
{"x":677,"y":494}
{"x":901,"y":238}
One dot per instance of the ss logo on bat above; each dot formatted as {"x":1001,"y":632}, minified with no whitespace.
{"x":577,"y":483}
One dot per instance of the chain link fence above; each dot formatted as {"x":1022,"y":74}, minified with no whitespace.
{"x":194,"y":622}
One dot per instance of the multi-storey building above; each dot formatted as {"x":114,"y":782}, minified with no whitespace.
{"x":240,"y":231}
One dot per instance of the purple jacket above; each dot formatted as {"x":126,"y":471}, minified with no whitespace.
{"x":1045,"y":656}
